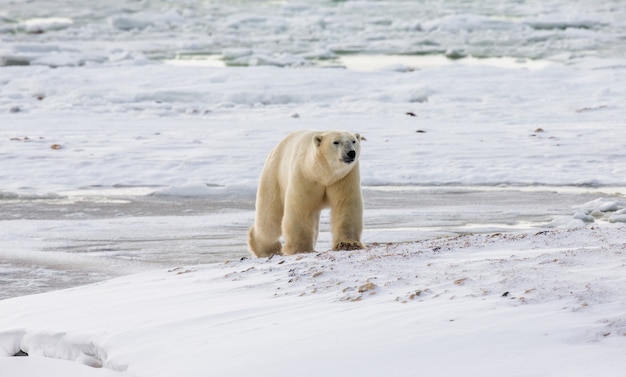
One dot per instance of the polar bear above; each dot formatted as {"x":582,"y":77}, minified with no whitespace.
{"x":305,"y":173}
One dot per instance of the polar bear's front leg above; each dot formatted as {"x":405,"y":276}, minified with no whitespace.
{"x":346,"y":217}
{"x":346,"y":233}
{"x":300,"y":224}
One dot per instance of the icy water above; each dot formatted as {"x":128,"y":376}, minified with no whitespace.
{"x":299,"y":33}
{"x":65,"y":242}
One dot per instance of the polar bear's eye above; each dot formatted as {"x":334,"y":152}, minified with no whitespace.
{"x":353,"y":141}
{"x":336,"y":143}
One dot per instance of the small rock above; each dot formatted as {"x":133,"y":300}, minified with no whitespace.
{"x":415,"y":294}
{"x":367,"y":287}
{"x":460,"y":281}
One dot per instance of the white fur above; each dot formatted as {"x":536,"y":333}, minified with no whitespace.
{"x":305,"y":173}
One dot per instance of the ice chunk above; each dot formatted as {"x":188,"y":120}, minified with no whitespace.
{"x":609,"y":206}
{"x":584,"y":217}
{"x":40,"y":25}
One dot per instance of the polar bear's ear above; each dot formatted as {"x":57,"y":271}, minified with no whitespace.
{"x":317,"y":139}
{"x":358,"y":136}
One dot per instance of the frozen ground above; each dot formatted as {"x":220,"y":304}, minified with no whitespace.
{"x":132,"y":134}
{"x":534,"y":303}
{"x":101,"y":136}
{"x":63,"y":242}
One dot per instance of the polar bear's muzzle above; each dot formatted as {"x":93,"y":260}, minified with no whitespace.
{"x":349,"y":157}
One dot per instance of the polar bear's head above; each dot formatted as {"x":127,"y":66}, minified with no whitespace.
{"x":340,"y":149}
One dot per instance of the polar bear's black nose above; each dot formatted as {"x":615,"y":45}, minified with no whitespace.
{"x":352,"y":154}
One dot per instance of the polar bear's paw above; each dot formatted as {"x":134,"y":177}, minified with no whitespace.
{"x":348,"y":245}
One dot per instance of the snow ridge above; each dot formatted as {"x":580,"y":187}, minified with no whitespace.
{"x":73,"y":347}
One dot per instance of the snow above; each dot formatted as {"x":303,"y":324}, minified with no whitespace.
{"x":132,"y":135}
{"x":490,"y":124}
{"x":549,"y":302}
{"x":44,"y":366}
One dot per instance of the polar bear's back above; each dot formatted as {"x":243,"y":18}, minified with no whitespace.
{"x":288,"y":155}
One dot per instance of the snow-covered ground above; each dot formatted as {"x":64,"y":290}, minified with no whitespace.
{"x":132,"y":134}
{"x":542,"y":303}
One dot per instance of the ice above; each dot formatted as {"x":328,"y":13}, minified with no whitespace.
{"x":169,"y":19}
{"x":618,"y":218}
{"x":469,"y":23}
{"x":42,"y":25}
{"x":489,"y":124}
{"x":584,"y":217}
{"x":132,"y":136}
{"x":560,"y":31}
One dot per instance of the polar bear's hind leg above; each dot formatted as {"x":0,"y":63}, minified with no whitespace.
{"x":263,"y":248}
